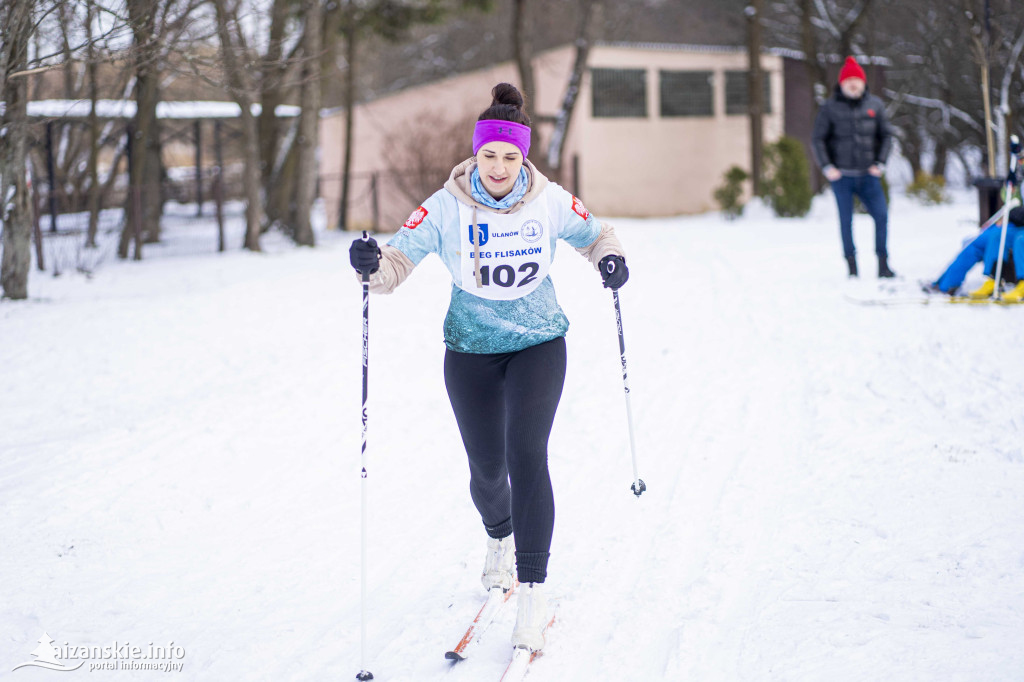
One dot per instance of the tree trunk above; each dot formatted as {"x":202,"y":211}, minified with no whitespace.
{"x":15,"y":204}
{"x":350,"y":112}
{"x":309,"y":121}
{"x":755,"y":95}
{"x":986,"y":95}
{"x":144,"y":179}
{"x":523,"y":51}
{"x":910,"y":146}
{"x":941,"y":152}
{"x":556,"y":148}
{"x":242,"y":93}
{"x":94,"y":135}
{"x":815,"y":71}
{"x":251,"y":181}
{"x":271,"y":95}
{"x":280,"y":203}
{"x":850,"y":30}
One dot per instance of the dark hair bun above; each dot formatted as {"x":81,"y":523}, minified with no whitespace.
{"x":506,"y":93}
{"x":508,"y":105}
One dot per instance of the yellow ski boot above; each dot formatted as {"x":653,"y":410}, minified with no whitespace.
{"x":1014,"y":295}
{"x":985,"y":290}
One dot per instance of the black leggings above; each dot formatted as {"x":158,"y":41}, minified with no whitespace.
{"x":505,"y":405}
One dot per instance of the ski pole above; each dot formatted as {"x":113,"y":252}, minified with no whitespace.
{"x":364,"y":674}
{"x":1014,"y":151}
{"x":638,"y":486}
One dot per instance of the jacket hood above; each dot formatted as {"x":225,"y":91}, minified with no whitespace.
{"x":459,"y":185}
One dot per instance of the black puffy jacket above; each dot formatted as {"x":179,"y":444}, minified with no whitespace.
{"x":852,"y":135}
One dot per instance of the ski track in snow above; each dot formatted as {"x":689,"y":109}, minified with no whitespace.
{"x":833,"y":490}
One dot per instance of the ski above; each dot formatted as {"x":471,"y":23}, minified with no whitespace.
{"x":998,"y":215}
{"x":496,"y":599}
{"x":519,"y":666}
{"x":929,"y":300}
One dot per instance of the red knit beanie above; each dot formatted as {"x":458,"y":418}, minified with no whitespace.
{"x":851,"y":69}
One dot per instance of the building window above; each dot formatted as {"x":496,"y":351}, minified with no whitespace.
{"x":619,"y":93}
{"x":687,"y":93}
{"x":736,"y":93}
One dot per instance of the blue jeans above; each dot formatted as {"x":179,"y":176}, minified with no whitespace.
{"x":985,"y":247}
{"x":869,"y":189}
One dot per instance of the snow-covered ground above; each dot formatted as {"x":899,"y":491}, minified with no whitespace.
{"x":834,"y":491}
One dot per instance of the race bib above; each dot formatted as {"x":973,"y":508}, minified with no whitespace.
{"x":514,"y":251}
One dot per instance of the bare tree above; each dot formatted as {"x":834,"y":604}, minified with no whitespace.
{"x":391,"y":20}
{"x":238,"y":70}
{"x":273,"y":75}
{"x":522,"y":46}
{"x":937,"y":96}
{"x":821,"y":30}
{"x":584,"y":39}
{"x":144,"y":204}
{"x":159,"y":29}
{"x":309,"y":121}
{"x":755,"y":90}
{"x":420,"y":154}
{"x":94,"y":129}
{"x":16,"y":23}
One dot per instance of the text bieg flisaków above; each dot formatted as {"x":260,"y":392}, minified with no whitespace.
{"x":510,"y":254}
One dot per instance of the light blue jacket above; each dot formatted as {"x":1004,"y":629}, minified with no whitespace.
{"x":481,"y":325}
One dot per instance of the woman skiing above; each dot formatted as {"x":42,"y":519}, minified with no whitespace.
{"x":494,"y":225}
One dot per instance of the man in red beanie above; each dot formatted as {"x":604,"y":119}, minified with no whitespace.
{"x":851,"y":141}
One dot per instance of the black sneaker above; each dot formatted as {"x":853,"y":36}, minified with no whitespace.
{"x":851,"y":262}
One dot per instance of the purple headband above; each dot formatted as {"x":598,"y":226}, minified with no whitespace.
{"x":504,"y":131}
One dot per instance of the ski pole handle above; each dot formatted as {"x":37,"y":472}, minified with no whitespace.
{"x":365,"y":274}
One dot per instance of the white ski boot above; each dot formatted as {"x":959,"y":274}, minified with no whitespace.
{"x":531,"y":619}
{"x":499,"y":564}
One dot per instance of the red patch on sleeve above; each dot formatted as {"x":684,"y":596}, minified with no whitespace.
{"x":871,"y":113}
{"x":580,"y":209}
{"x":416,"y":218}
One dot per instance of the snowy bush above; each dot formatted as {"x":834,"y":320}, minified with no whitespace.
{"x":729,"y":194}
{"x":929,"y":189}
{"x":787,"y":178}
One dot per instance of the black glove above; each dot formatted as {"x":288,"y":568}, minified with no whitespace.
{"x":365,"y":255}
{"x":613,"y":271}
{"x":1013,"y":178}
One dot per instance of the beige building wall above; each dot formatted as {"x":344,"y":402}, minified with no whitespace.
{"x":657,"y":166}
{"x":627,"y":166}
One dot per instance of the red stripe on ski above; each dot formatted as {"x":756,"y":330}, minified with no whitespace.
{"x":484,"y":616}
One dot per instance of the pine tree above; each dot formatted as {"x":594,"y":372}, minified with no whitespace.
{"x":45,"y":652}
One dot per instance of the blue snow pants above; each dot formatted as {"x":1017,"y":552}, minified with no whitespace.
{"x":1014,"y":244}
{"x":984,"y":248}
{"x":869,"y":189}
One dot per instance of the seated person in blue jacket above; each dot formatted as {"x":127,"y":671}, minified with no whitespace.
{"x":985,"y":248}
